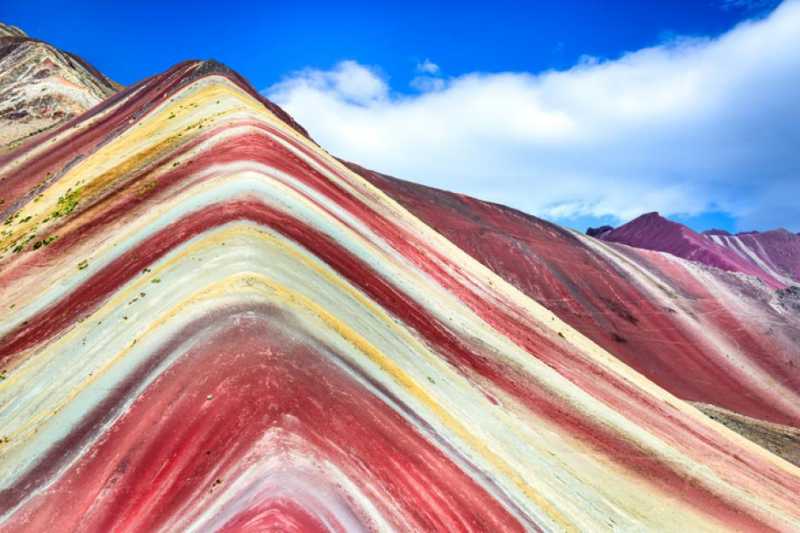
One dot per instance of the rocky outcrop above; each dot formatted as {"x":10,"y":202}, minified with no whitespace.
{"x":783,"y":441}
{"x":41,"y":86}
{"x":599,"y":231}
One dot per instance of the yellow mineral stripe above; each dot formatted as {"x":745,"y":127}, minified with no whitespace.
{"x":246,"y":281}
{"x":156,"y":133}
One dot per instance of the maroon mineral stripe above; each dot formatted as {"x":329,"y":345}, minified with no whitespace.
{"x":556,"y":356}
{"x":277,"y":515}
{"x":266,"y":377}
{"x":579,"y":370}
{"x":137,"y":101}
{"x":412,"y":255}
{"x":548,"y":349}
{"x":551,"y":266}
{"x":119,"y":200}
{"x":115,"y":274}
{"x":586,"y":374}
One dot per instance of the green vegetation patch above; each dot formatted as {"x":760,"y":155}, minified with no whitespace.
{"x":67,"y":203}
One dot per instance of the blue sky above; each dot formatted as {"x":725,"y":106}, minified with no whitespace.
{"x":409,"y":55}
{"x":265,"y":40}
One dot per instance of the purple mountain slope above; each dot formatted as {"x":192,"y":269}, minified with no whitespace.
{"x":777,"y":252}
{"x":773,"y":256}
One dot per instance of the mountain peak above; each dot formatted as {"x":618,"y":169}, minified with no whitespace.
{"x":716,"y":231}
{"x":42,"y":86}
{"x":716,"y":248}
{"x":7,"y":30}
{"x":643,"y":229}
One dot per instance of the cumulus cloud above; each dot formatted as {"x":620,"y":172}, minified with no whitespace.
{"x":349,"y":82}
{"x":686,"y":127}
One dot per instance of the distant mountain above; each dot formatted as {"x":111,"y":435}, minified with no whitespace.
{"x":42,"y":86}
{"x":773,"y":257}
{"x":775,"y":252}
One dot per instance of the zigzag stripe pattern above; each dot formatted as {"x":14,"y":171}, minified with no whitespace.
{"x":209,"y":323}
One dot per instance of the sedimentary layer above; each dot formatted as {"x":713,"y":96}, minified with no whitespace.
{"x":209,"y":323}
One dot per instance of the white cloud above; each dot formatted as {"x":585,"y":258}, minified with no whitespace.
{"x":428,"y":67}
{"x":682,"y":128}
{"x":427,"y":83}
{"x":429,"y":79}
{"x":349,"y":82}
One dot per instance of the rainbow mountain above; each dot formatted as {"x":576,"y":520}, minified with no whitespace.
{"x":208,"y":322}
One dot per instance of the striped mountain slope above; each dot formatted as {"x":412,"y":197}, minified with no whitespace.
{"x":209,"y":323}
{"x":707,"y":335}
{"x":776,"y":252}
